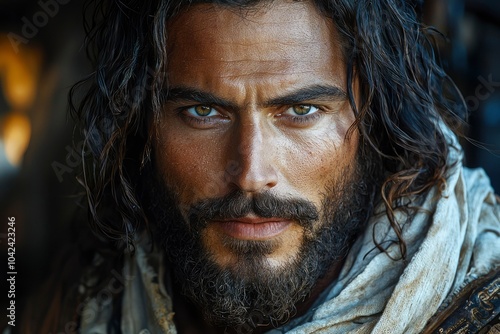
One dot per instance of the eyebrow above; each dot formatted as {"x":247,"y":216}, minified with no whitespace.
{"x":176,"y":94}
{"x":315,"y":92}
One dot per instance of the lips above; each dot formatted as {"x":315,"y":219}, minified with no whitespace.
{"x":252,"y":228}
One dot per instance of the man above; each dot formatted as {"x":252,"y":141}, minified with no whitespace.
{"x":277,"y":166}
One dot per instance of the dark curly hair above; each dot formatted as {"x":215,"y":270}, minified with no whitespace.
{"x":405,"y":94}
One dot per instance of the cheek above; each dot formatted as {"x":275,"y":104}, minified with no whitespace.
{"x":312,"y":163}
{"x":187,"y":166}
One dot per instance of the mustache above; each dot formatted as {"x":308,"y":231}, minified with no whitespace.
{"x":237,"y":204}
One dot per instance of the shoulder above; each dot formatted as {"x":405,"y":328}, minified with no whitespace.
{"x":475,"y":309}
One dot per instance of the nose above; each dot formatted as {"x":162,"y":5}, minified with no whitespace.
{"x":255,"y":155}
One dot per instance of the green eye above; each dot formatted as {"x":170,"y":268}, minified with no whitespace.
{"x":202,"y":110}
{"x":302,"y":109}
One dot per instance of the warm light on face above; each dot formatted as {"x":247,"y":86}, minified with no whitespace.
{"x":256,"y":104}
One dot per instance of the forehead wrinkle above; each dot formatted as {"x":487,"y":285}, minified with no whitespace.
{"x":258,"y":47}
{"x":244,"y":62}
{"x":260,"y":76}
{"x":280,"y":67}
{"x":215,"y":18}
{"x":229,"y":47}
{"x":276,"y":49}
{"x":261,"y":36}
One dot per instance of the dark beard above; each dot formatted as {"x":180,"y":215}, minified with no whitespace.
{"x":251,"y":293}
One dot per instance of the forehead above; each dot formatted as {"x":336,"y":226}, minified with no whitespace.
{"x":281,"y":41}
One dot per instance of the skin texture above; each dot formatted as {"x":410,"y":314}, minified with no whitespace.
{"x":244,"y":70}
{"x":255,"y":147}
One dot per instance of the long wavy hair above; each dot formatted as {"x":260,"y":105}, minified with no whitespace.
{"x":405,"y":94}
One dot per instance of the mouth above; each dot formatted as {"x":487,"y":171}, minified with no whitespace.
{"x":252,"y":228}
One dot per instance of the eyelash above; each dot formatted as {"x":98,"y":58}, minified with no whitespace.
{"x":306,"y":118}
{"x":197,"y":120}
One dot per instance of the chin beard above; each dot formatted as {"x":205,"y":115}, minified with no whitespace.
{"x":252,"y":292}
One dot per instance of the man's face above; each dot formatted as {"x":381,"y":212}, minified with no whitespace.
{"x":256,"y":118}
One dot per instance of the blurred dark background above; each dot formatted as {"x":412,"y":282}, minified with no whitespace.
{"x":42,"y":55}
